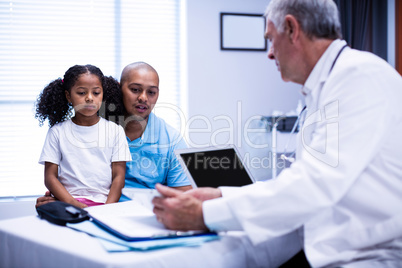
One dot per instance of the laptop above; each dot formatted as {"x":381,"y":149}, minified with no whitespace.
{"x":214,"y":167}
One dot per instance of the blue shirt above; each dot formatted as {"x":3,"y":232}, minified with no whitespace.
{"x":153,"y":158}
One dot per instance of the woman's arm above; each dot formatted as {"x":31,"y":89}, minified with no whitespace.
{"x":118,"y":181}
{"x":56,"y":188}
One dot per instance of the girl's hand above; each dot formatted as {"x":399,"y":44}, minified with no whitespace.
{"x":47,"y":198}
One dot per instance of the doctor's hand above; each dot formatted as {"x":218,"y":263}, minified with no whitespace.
{"x":205,"y":193}
{"x":47,"y":198}
{"x":178,"y":211}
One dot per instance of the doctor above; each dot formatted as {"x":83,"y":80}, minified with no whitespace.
{"x":343,"y":194}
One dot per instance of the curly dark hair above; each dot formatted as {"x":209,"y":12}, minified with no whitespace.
{"x":53,"y":105}
{"x":112,"y":107}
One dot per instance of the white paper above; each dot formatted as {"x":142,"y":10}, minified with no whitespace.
{"x":132,"y":220}
{"x":129,"y":218}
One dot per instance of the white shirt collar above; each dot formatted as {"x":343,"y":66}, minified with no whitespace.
{"x":321,"y":70}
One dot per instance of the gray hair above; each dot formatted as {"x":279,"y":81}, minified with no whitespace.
{"x":317,"y":18}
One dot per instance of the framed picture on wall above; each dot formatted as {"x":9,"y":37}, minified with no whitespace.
{"x":243,"y":32}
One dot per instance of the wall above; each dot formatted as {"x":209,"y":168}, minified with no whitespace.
{"x":220,"y":81}
{"x":228,"y":88}
{"x":391,"y":12}
{"x":398,"y":33}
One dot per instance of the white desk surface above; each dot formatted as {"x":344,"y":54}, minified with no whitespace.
{"x":32,"y":242}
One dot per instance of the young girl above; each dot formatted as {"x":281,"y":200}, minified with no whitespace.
{"x":85,"y":156}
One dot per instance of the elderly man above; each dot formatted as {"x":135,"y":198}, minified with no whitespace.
{"x":344,"y":191}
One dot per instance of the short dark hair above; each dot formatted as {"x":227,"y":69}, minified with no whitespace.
{"x":136,"y":66}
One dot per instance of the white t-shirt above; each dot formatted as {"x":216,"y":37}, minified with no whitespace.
{"x":84,"y":155}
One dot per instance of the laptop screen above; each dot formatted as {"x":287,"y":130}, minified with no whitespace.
{"x":214,"y":168}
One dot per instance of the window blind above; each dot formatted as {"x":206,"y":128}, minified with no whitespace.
{"x":40,"y":40}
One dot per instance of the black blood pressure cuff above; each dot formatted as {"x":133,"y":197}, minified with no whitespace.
{"x":60,"y":213}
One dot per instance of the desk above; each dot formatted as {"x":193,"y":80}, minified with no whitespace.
{"x":32,"y":242}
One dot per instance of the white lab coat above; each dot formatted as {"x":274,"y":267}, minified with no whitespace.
{"x":344,"y":192}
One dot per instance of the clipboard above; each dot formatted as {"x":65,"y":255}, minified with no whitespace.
{"x":131,"y":221}
{"x":112,"y":243}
